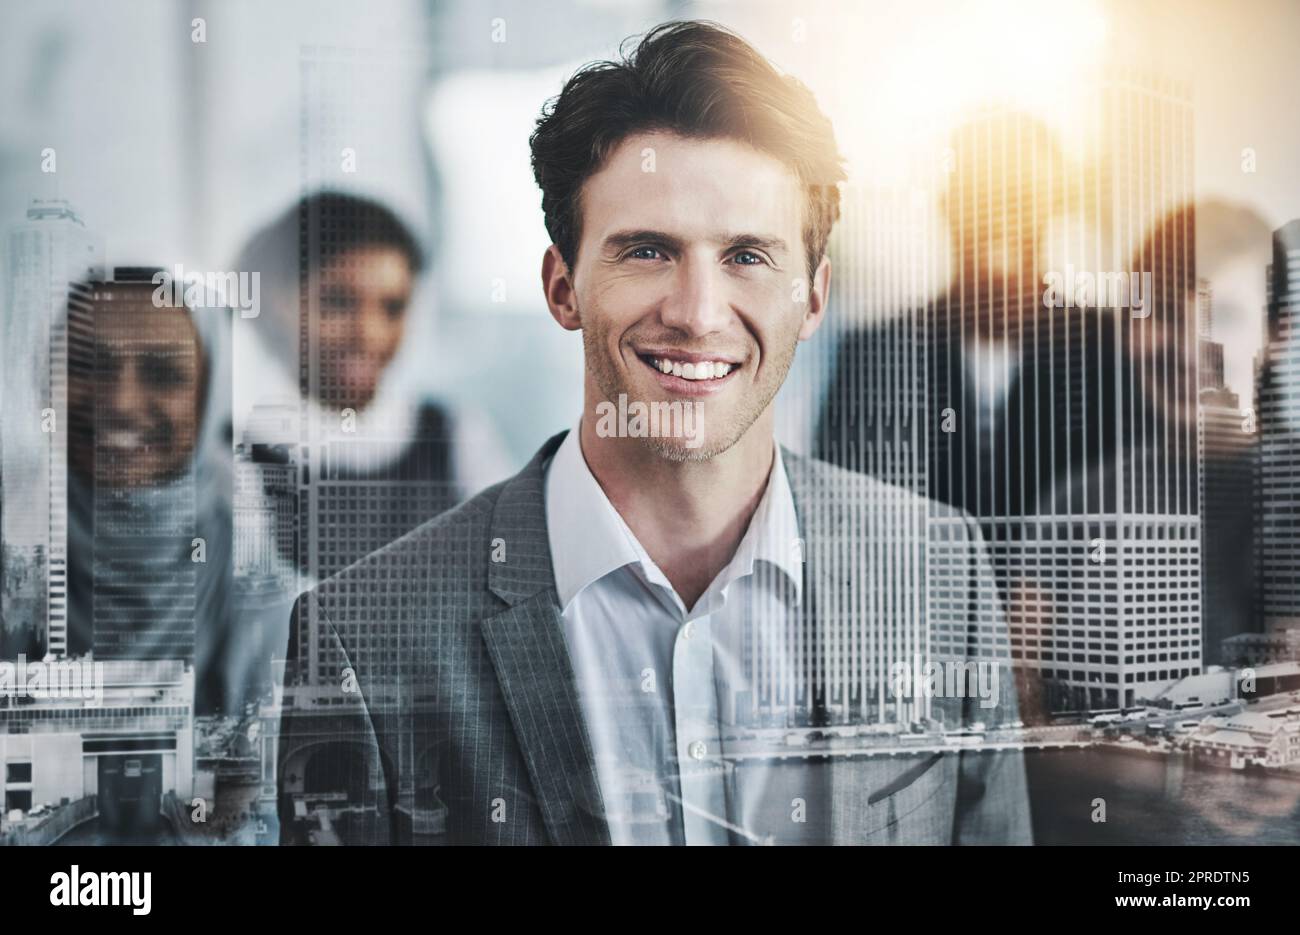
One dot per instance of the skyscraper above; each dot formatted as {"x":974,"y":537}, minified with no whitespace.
{"x":46,"y":255}
{"x":1204,"y":307}
{"x":1227,"y":458}
{"x":1278,"y":401}
{"x":1211,"y":365}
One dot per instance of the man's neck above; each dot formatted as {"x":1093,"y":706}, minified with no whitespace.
{"x":689,"y":516}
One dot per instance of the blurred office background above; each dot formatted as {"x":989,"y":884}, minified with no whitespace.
{"x":175,"y":151}
{"x":163,"y":134}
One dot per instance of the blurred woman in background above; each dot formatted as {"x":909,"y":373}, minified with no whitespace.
{"x":148,"y":508}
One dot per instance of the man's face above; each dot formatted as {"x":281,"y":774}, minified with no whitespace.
{"x":363,"y":298}
{"x":135,"y":414}
{"x":691,"y":263}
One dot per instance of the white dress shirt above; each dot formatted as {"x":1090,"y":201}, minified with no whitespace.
{"x":661,"y":684}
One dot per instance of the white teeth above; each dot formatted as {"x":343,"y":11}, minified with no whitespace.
{"x":121,"y":438}
{"x":705,"y":370}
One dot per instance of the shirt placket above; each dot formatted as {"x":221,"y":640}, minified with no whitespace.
{"x":699,"y":744}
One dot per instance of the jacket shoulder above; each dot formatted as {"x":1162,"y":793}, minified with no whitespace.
{"x":836,"y":501}
{"x":449,"y":549}
{"x":820,"y":481}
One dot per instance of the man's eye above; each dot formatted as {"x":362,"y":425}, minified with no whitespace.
{"x":336,"y":301}
{"x":644,"y":253}
{"x":748,"y":258}
{"x":159,"y":371}
{"x":107,"y":366}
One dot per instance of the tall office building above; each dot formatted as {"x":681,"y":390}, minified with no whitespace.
{"x":1227,"y":462}
{"x":265,"y":573}
{"x":354,"y":496}
{"x":1278,"y":401}
{"x":46,"y":255}
{"x":1068,"y":430}
{"x":1204,"y":308}
{"x":1088,"y":487}
{"x":362,"y":480}
{"x":1211,"y":365}
{"x":365,"y":479}
{"x":266,"y":498}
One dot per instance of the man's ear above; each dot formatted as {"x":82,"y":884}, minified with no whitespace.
{"x":557,"y":286}
{"x":819,"y":294}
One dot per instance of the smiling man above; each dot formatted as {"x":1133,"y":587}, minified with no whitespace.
{"x":687,"y":284}
{"x":672,"y":637}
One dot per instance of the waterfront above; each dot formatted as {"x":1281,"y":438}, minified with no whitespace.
{"x":1156,"y":800}
{"x":1150,"y":799}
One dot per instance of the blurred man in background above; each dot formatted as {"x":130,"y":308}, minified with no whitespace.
{"x":338,"y":275}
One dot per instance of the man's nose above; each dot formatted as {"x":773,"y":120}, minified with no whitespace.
{"x":124,"y":396}
{"x":698,"y":304}
{"x":371,"y":331}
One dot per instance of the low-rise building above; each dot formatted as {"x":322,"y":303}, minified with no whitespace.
{"x":1252,"y":737}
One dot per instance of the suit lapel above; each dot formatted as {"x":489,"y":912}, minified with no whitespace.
{"x":530,"y":654}
{"x":528,"y":650}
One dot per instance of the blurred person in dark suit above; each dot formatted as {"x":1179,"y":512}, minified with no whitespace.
{"x":963,"y":369}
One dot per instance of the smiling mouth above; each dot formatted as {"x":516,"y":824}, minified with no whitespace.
{"x":133,"y":440}
{"x":699,"y":371}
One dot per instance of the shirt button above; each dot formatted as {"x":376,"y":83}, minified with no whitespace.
{"x":698,"y":749}
{"x":689,"y":630}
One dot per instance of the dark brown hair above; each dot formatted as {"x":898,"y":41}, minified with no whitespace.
{"x":322,"y":226}
{"x":695,"y":79}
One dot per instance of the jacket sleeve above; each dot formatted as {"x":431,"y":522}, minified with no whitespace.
{"x":338,"y":742}
{"x":992,"y":793}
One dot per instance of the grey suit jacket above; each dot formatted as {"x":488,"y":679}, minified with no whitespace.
{"x":430,"y":697}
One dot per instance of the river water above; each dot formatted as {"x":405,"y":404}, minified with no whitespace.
{"x":1156,"y":800}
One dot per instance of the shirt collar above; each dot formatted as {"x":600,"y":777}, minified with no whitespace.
{"x":589,"y":539}
{"x":773,"y":534}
